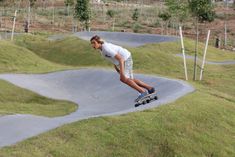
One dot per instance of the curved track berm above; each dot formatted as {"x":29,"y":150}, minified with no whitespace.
{"x":98,"y":93}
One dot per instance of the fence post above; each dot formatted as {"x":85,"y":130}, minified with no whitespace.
{"x":204,"y":56}
{"x":13,"y":27}
{"x":183,"y":52}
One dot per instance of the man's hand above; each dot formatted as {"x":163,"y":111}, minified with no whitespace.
{"x":116,"y":68}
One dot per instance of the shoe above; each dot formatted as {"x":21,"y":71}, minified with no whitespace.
{"x":152,"y":90}
{"x":141,"y":96}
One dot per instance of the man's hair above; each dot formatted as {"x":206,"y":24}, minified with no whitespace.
{"x":97,"y":39}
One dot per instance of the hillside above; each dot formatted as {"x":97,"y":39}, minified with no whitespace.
{"x":15,"y":59}
{"x":199,"y":124}
{"x":54,"y":17}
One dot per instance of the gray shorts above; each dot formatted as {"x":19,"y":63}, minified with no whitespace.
{"x":128,"y":68}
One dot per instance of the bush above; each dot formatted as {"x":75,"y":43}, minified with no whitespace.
{"x":136,"y":27}
{"x":110,"y":13}
{"x":136,"y":15}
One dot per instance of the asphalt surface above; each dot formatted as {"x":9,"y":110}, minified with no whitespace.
{"x":97,"y":91}
{"x":126,"y":38}
{"x":228,"y":62}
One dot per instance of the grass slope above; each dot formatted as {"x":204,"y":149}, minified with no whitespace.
{"x":201,"y":124}
{"x":15,"y":59}
{"x":71,"y":51}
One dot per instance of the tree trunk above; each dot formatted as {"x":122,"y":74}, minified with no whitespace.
{"x":1,"y":19}
{"x":225,"y":24}
{"x":67,"y":10}
{"x":29,"y":14}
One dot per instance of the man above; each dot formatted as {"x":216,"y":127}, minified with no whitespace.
{"x":122,"y":60}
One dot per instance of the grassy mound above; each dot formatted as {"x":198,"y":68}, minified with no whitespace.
{"x":199,"y":124}
{"x":15,"y":59}
{"x":71,"y":51}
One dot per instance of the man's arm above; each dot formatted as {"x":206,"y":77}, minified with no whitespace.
{"x":121,"y":64}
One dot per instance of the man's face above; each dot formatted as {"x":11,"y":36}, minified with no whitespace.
{"x":95,"y":44}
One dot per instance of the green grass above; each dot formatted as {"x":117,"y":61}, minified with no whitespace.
{"x":188,"y":127}
{"x":15,"y":59}
{"x":17,"y":100}
{"x":200,"y":124}
{"x":18,"y":59}
{"x":71,"y":51}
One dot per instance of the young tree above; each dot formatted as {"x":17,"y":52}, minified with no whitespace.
{"x":32,"y":2}
{"x":202,"y":10}
{"x":165,"y":16}
{"x":68,"y":3}
{"x":28,"y":21}
{"x":111,"y":14}
{"x":178,"y":9}
{"x":83,"y":12}
{"x":136,"y":15}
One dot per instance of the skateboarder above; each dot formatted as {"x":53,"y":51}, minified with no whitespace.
{"x":122,"y":60}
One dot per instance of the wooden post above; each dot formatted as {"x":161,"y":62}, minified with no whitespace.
{"x":204,"y":56}
{"x":13,"y":27}
{"x":183,"y":52}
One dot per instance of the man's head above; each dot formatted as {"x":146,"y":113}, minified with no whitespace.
{"x":96,"y":42}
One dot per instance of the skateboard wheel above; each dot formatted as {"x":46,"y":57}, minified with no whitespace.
{"x":147,"y":101}
{"x":155,"y":97}
{"x":144,"y":102}
{"x":136,"y":105}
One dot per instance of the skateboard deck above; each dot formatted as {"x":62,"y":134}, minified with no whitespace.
{"x":147,"y":99}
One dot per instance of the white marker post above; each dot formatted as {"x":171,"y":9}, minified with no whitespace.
{"x":13,"y":27}
{"x":182,"y":47}
{"x":204,"y":56}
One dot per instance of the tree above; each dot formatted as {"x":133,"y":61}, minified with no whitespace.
{"x":68,"y":3}
{"x":165,"y":16}
{"x":136,"y":15}
{"x":83,"y":12}
{"x":202,"y":10}
{"x":111,"y":14}
{"x":178,"y":9}
{"x":32,"y":3}
{"x":28,"y":22}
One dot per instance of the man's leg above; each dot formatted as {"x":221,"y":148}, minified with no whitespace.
{"x":142,"y":84}
{"x":132,"y":84}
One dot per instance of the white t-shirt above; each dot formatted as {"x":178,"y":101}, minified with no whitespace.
{"x":110,"y":50}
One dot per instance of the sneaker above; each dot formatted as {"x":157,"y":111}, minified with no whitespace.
{"x":152,"y":90}
{"x":141,"y":96}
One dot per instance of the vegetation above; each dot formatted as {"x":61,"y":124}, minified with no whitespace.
{"x":15,"y":100}
{"x":58,"y":16}
{"x":178,"y":9}
{"x":68,"y":3}
{"x":203,"y":10}
{"x":83,"y":12}
{"x":111,"y":14}
{"x":136,"y":15}
{"x":15,"y":59}
{"x":199,"y":124}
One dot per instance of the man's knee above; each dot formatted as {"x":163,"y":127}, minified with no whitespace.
{"x":135,"y":80}
{"x":126,"y":80}
{"x":123,"y":80}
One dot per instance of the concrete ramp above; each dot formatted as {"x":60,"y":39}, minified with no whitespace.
{"x":98,"y":93}
{"x":227,"y":62}
{"x":126,"y":38}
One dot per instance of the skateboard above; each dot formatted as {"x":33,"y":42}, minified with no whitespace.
{"x":147,"y":99}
